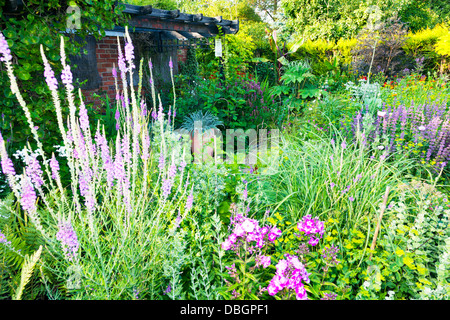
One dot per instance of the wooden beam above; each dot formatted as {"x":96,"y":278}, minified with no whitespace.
{"x":174,"y":19}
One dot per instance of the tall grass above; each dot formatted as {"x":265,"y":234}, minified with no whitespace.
{"x":329,"y":178}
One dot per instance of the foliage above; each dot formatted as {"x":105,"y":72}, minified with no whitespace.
{"x":410,"y":260}
{"x":159,"y":4}
{"x":298,"y":84}
{"x":39,"y":23}
{"x":423,"y":44}
{"x":335,"y":19}
{"x":239,"y":101}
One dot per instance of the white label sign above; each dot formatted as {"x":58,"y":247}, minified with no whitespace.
{"x":218,"y":47}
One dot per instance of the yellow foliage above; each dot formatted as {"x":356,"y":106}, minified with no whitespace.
{"x":443,"y":45}
{"x":425,"y":39}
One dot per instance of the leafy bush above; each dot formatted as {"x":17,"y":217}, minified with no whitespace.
{"x":239,"y":101}
{"x":423,"y":44}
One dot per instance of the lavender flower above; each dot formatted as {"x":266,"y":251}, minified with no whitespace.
{"x":189,"y":201}
{"x":166,"y":187}
{"x":108,"y":164}
{"x":329,"y":254}
{"x":7,"y":165}
{"x":167,"y":291}
{"x":154,"y":115}
{"x":50,"y":76}
{"x":54,"y":165}
{"x":66,"y":77}
{"x":329,"y":296}
{"x":117,"y":117}
{"x":33,"y":170}
{"x":119,"y":170}
{"x":245,"y":193}
{"x":84,"y":119}
{"x":170,"y":63}
{"x":129,"y":54}
{"x":68,"y":238}
{"x":4,"y":49}
{"x":161,"y":161}
{"x":172,"y":171}
{"x":122,"y":65}
{"x":183,"y":165}
{"x":28,"y":197}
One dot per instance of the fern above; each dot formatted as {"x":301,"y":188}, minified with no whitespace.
{"x":27,"y":271}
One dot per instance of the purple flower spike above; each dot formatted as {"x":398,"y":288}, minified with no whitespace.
{"x":166,"y":187}
{"x":84,"y":119}
{"x":66,"y":77}
{"x":54,"y":166}
{"x":129,"y":54}
{"x":68,"y":238}
{"x":28,"y":200}
{"x":34,"y":171}
{"x":4,"y":49}
{"x":189,"y":202}
{"x":50,"y":77}
{"x":6,"y":163}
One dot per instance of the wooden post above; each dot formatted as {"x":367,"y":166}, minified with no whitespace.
{"x":383,"y":207}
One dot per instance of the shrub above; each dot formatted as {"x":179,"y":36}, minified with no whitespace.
{"x":380,"y":50}
{"x":424,"y":43}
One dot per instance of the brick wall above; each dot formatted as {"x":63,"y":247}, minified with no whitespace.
{"x":182,"y":54}
{"x":106,"y":54}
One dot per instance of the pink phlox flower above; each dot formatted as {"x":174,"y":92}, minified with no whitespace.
{"x":249,"y":225}
{"x":239,"y":230}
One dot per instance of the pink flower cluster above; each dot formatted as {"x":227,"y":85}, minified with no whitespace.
{"x":290,"y":275}
{"x":314,"y":228}
{"x":248,"y":230}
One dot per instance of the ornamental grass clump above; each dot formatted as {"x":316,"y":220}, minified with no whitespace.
{"x":332,"y":178}
{"x":104,"y":235}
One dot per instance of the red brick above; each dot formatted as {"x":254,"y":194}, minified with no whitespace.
{"x":105,"y":56}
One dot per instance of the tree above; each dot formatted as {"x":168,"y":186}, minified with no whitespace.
{"x":334,"y":19}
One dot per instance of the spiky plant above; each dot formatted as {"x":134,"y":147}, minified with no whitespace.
{"x":207,"y":119}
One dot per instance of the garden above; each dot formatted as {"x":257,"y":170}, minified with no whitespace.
{"x":338,"y":189}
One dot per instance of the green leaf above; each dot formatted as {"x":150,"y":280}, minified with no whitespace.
{"x":251,"y":276}
{"x":283,"y":61}
{"x":256,"y":60}
{"x":23,"y":75}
